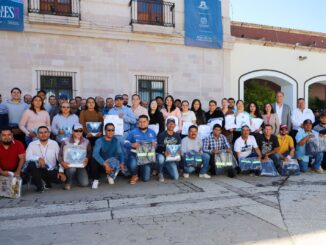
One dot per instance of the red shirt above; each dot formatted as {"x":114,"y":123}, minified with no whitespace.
{"x":9,"y":157}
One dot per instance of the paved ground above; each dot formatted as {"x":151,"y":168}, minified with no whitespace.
{"x":245,"y":210}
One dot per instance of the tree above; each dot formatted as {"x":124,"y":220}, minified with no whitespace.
{"x":258,"y":92}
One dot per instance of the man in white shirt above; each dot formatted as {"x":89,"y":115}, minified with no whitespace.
{"x":246,"y":145}
{"x":301,"y":114}
{"x":42,"y":160}
{"x":282,"y":110}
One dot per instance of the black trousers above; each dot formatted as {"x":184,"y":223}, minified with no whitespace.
{"x":39,"y":174}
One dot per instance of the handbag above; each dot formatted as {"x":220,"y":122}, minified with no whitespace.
{"x":174,"y":153}
{"x":224,"y":160}
{"x":193,"y":159}
{"x":145,"y":153}
{"x":268,"y":169}
{"x":250,"y":163}
{"x":290,"y":167}
{"x":10,"y":186}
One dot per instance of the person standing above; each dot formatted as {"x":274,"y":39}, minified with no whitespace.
{"x":171,"y":110}
{"x":136,"y":108}
{"x":16,"y":107}
{"x":156,"y":116}
{"x":271,"y":118}
{"x":199,"y":112}
{"x":282,"y":110}
{"x":33,"y":118}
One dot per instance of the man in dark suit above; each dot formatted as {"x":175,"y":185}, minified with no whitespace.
{"x":282,"y":110}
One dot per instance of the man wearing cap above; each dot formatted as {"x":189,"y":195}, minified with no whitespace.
{"x":76,"y":139}
{"x":123,"y":112}
{"x":167,"y":137}
{"x":303,"y":136}
{"x":214,"y":144}
{"x":139,"y":135}
{"x":286,"y":143}
{"x":246,"y":145}
{"x":42,"y":157}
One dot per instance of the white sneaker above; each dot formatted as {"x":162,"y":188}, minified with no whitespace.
{"x":110,"y":180}
{"x":185,"y":175}
{"x":205,"y":176}
{"x":95,"y":184}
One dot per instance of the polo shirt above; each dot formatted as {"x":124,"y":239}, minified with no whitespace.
{"x":286,"y":143}
{"x":9,"y":157}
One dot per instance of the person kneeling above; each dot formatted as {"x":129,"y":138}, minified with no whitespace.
{"x":42,"y":161}
{"x":107,"y":155}
{"x":192,"y":149}
{"x":172,"y":139}
{"x":214,"y":145}
{"x":80,"y":145}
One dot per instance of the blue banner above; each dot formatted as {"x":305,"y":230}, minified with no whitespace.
{"x":12,"y":15}
{"x":203,"y":23}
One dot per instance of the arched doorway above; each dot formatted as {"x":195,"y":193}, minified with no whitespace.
{"x":315,"y":92}
{"x":273,"y":80}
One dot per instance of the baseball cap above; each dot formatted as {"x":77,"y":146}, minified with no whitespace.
{"x":118,"y":97}
{"x":170,"y":120}
{"x":284,"y":126}
{"x":77,"y":126}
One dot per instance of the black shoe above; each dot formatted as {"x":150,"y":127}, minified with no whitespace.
{"x":48,"y":186}
{"x":40,"y":190}
{"x":231,"y":173}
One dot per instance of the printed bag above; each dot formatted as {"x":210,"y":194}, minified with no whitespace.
{"x":146,"y":153}
{"x":250,"y":163}
{"x":193,"y":159}
{"x":174,"y":153}
{"x":224,"y":160}
{"x":268,"y":169}
{"x":10,"y":186}
{"x":290,"y":168}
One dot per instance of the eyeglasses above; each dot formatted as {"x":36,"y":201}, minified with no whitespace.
{"x":65,"y":107}
{"x":110,"y":130}
{"x":78,"y":131}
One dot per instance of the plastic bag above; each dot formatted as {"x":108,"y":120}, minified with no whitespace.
{"x":268,"y":169}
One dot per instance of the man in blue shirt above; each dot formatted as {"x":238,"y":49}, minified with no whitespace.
{"x":107,"y":153}
{"x":137,"y":137}
{"x":303,"y":137}
{"x":123,"y":112}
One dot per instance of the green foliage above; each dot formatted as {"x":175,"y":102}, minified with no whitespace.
{"x":316,"y":103}
{"x":258,"y":92}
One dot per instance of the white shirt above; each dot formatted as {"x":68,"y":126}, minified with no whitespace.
{"x":188,"y":116}
{"x":299,"y":116}
{"x":279,"y":111}
{"x":245,"y":148}
{"x":48,"y":152}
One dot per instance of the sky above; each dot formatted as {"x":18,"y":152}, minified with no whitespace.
{"x":309,"y":15}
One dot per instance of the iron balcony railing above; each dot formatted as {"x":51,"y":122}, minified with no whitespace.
{"x":69,"y":8}
{"x":152,"y":12}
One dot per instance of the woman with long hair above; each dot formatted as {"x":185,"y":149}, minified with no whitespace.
{"x":62,"y":123}
{"x":33,"y":118}
{"x":171,"y":110}
{"x":226,"y":110}
{"x":254,"y":112}
{"x":91,"y":114}
{"x":271,"y":118}
{"x":200,"y":114}
{"x":155,"y":116}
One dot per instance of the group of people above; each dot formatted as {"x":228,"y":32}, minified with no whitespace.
{"x":46,"y":128}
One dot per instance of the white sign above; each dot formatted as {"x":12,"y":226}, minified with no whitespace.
{"x":215,"y":121}
{"x":230,"y":122}
{"x":185,"y":127}
{"x":117,"y":122}
{"x":242,"y":119}
{"x":204,"y":131}
{"x":155,"y":128}
{"x":256,"y":123}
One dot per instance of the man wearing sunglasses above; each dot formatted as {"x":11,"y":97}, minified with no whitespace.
{"x":107,"y":156}
{"x":76,"y":139}
{"x":286,"y":143}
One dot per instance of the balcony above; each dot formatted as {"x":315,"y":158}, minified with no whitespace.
{"x":54,"y":11}
{"x":154,"y":16}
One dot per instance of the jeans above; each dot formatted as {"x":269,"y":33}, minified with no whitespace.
{"x":316,"y":165}
{"x":145,"y":170}
{"x":277,"y":161}
{"x":171,"y":167}
{"x":204,"y":168}
{"x":81,"y":174}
